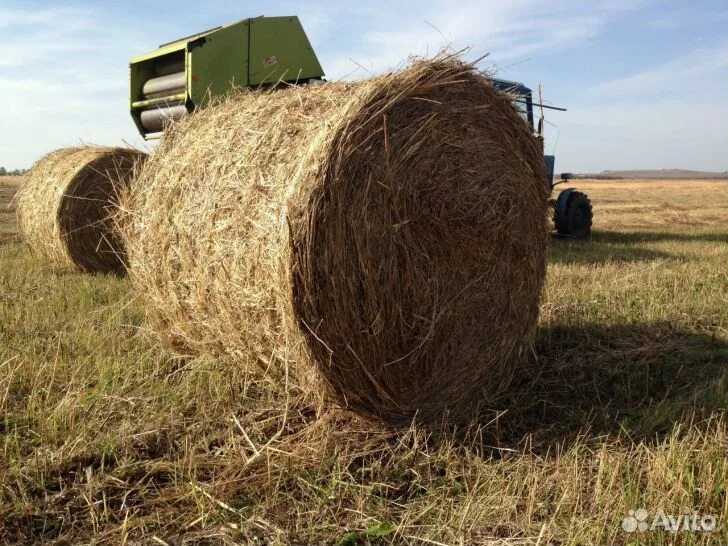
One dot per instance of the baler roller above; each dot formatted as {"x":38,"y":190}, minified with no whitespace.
{"x":166,"y":65}
{"x":171,"y":84}
{"x":156,"y":119}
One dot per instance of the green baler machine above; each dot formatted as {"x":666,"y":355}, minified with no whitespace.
{"x":183,"y":75}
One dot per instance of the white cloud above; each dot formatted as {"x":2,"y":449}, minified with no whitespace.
{"x":687,"y":72}
{"x":63,"y":80}
{"x":507,"y":30}
{"x":29,"y":17}
{"x":670,"y":116}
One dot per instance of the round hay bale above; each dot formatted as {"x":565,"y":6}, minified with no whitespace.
{"x":387,"y":235}
{"x":66,"y":204}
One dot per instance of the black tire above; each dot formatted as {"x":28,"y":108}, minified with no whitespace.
{"x":577,"y":220}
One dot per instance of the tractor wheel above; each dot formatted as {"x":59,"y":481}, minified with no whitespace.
{"x":573,"y":218}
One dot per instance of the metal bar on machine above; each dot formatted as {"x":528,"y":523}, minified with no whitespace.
{"x":543,"y":105}
{"x":161,"y":100}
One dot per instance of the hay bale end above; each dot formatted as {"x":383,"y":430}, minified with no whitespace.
{"x":66,"y":204}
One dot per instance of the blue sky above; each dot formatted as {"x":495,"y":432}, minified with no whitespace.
{"x":645,"y":81}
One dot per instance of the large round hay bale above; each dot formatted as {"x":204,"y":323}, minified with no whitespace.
{"x":66,"y":204}
{"x":388,"y":235}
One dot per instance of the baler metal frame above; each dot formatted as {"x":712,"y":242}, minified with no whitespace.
{"x":256,"y":52}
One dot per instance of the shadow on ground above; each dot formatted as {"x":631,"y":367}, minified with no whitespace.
{"x":617,"y":246}
{"x":633,"y":237}
{"x":592,"y":381}
{"x":602,"y":248}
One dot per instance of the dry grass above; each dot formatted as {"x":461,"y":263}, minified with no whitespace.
{"x":9,"y":186}
{"x":66,"y":202}
{"x":654,"y":204}
{"x":11,"y":181}
{"x":390,"y":234}
{"x":108,"y":440}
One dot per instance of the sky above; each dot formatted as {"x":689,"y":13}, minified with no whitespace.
{"x":645,"y":82}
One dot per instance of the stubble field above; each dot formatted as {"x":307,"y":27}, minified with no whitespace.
{"x":107,"y":439}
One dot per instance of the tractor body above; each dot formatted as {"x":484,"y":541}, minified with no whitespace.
{"x":185,"y":74}
{"x":572,"y":209}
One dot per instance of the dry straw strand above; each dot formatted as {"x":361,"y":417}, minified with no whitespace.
{"x":384,"y":238}
{"x":67,"y":202}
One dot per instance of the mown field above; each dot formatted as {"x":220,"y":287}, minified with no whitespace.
{"x":108,"y":439}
